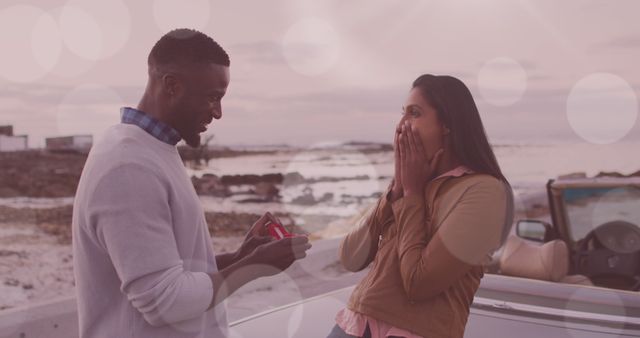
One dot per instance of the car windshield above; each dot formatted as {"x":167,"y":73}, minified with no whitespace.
{"x":587,"y":208}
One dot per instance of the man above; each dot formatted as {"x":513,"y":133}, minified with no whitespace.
{"x":143,"y":257}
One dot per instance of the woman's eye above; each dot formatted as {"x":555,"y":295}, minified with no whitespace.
{"x":415,"y":113}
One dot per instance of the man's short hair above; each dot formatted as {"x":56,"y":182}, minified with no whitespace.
{"x":185,"y":46}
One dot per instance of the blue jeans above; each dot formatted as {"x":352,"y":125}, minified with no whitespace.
{"x":338,"y":332}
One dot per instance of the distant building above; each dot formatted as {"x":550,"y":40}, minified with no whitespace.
{"x":6,"y":130}
{"x":78,"y":143}
{"x":13,"y":143}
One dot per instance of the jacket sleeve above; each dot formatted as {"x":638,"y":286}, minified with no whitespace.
{"x":359,"y":247}
{"x":466,"y":236}
{"x":130,"y":214}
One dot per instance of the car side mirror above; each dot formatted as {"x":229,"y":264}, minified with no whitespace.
{"x":533,"y":230}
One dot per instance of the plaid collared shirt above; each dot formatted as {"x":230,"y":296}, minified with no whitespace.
{"x":156,"y":128}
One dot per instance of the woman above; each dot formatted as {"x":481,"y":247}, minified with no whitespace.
{"x":447,"y":209}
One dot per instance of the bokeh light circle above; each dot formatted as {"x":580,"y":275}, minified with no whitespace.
{"x":311,"y":47}
{"x":95,"y":29}
{"x":172,"y":14}
{"x":31,"y":43}
{"x":502,"y":81}
{"x":602,"y":108}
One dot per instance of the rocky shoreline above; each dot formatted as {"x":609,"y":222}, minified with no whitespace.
{"x":41,"y":173}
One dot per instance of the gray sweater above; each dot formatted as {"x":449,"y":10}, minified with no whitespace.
{"x":141,"y":248}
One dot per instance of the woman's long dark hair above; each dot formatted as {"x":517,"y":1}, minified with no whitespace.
{"x":457,"y":110}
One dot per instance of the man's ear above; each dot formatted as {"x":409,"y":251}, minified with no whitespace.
{"x":171,"y":84}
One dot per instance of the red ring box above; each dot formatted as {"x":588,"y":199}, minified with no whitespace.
{"x":277,"y":231}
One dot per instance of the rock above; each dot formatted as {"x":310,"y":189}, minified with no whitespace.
{"x":11,"y":282}
{"x":349,"y":199}
{"x":267,"y":191}
{"x":252,"y":179}
{"x":210,"y":185}
{"x":326,"y":197}
{"x":306,"y":198}
{"x":252,"y":200}
{"x":293,"y":178}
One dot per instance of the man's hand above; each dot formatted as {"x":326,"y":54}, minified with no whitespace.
{"x":281,"y":253}
{"x":415,"y":169}
{"x":256,"y":236}
{"x":264,"y":260}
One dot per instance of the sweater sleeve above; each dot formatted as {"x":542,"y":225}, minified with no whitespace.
{"x":359,"y":246}
{"x":130,"y":214}
{"x":470,"y":232}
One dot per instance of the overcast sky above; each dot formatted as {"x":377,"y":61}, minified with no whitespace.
{"x":304,"y":72}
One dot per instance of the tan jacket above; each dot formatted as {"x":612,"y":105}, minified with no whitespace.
{"x":472,"y":216}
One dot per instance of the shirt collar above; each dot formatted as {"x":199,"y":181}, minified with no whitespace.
{"x":154,"y":127}
{"x":456,"y":172}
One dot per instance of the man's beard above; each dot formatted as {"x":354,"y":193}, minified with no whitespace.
{"x":192,"y":140}
{"x":188,"y":133}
